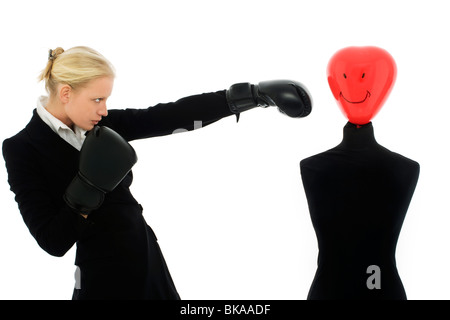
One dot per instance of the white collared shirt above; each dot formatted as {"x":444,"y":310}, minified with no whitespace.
{"x":74,"y":138}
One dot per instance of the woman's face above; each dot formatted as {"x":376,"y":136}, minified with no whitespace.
{"x":86,"y":106}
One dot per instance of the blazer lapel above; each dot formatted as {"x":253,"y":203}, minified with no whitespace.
{"x":52,"y":147}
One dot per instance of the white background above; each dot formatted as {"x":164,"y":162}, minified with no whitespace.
{"x":226,"y":201}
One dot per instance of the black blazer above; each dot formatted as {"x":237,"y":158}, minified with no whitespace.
{"x":117,"y":252}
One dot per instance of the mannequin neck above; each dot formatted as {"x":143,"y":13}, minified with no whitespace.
{"x":358,"y":136}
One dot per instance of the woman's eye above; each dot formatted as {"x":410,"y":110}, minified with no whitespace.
{"x":98,"y":100}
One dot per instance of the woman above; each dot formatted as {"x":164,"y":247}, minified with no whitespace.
{"x":117,"y":255}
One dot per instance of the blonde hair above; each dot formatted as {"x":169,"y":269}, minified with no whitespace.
{"x":75,"y":67}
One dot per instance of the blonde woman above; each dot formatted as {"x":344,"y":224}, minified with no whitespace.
{"x":57,"y":172}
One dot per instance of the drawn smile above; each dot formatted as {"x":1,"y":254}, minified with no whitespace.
{"x":365,"y":98}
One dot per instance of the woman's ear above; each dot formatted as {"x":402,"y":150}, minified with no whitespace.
{"x":64,"y":93}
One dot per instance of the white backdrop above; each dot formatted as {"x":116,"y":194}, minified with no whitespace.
{"x":226,"y":201}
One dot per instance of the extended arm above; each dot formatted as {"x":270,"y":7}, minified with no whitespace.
{"x":290,"y":97}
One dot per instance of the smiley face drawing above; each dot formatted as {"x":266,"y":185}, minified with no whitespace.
{"x":361,"y":79}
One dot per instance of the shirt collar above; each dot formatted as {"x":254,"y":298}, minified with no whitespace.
{"x":54,"y":123}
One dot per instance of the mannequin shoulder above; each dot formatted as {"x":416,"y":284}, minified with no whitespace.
{"x":324,"y":158}
{"x":412,"y":166}
{"x":404,"y":161}
{"x":311,"y":161}
{"x":323,"y":162}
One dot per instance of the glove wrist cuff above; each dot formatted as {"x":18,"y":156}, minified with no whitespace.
{"x":82,"y":196}
{"x":240,"y":97}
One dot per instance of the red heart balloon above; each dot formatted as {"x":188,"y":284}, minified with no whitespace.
{"x":361,"y":79}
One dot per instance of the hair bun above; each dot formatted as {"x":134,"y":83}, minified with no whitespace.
{"x":52,"y":54}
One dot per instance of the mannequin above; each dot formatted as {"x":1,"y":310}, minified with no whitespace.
{"x":358,"y":193}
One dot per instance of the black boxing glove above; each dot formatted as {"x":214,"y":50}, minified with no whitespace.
{"x":291,"y":97}
{"x":105,"y":159}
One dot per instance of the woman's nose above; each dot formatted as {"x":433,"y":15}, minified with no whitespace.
{"x":103,"y":111}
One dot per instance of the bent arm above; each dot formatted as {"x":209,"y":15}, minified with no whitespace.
{"x":51,"y":222}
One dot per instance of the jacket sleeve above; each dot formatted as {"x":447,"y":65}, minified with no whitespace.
{"x":187,"y":113}
{"x":51,"y":222}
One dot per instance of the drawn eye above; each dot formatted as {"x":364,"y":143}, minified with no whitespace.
{"x":345,"y":76}
{"x":363,"y":75}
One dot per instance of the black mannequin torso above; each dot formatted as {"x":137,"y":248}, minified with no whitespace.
{"x":358,"y":194}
